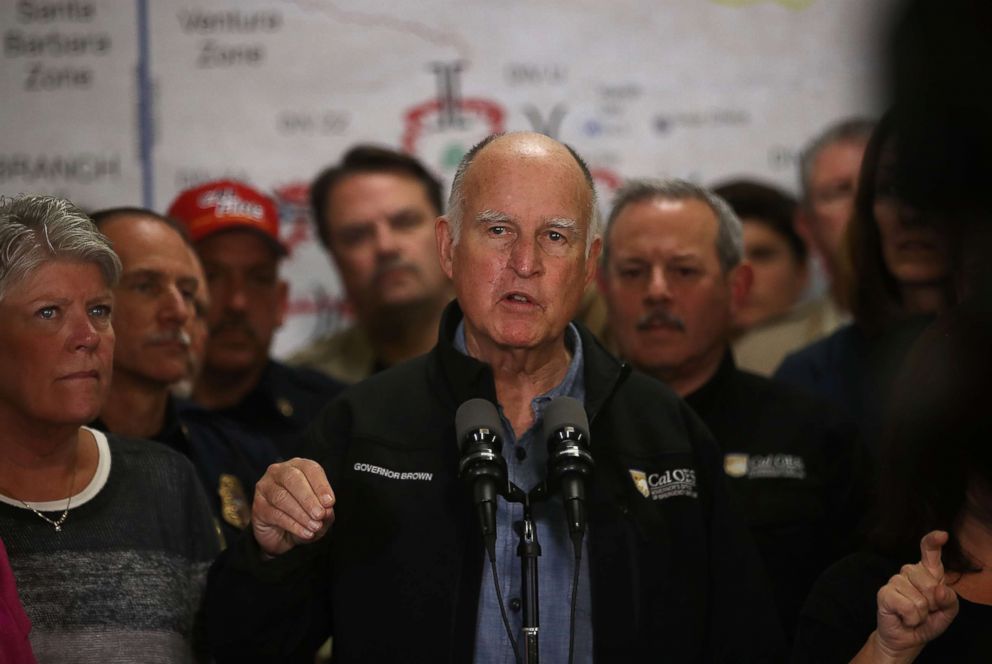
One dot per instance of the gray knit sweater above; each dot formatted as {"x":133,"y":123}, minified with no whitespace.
{"x":123,"y":580}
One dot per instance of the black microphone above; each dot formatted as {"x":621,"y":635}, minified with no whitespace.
{"x":566,"y":428}
{"x":480,"y":440}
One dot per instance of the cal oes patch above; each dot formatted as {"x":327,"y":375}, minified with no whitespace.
{"x":233,"y":501}
{"x":764,"y":466}
{"x":666,"y":484}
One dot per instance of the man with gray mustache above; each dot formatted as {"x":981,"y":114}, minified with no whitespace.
{"x":152,"y":305}
{"x":672,"y":276}
{"x":154,"y":319}
{"x":659,"y":316}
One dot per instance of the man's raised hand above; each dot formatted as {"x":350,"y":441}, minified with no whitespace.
{"x":294,"y":504}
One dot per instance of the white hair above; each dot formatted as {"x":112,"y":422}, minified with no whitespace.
{"x":36,"y":229}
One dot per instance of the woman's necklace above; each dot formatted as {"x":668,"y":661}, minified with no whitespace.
{"x":57,"y":523}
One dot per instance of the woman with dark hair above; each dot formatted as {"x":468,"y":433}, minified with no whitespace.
{"x":899,"y":261}
{"x":896,"y":278}
{"x":935,"y":506}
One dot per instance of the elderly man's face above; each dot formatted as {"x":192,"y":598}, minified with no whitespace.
{"x":247,"y":299}
{"x":56,"y":345}
{"x":154,"y":299}
{"x":520,"y":265}
{"x":381,"y":232}
{"x":669,"y":299}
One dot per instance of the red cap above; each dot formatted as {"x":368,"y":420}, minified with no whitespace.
{"x":226,"y":205}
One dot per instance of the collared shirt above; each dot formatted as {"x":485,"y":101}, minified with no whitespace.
{"x":526,"y":461}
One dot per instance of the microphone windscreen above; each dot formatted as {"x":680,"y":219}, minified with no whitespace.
{"x":565,"y":411}
{"x":476,"y":414}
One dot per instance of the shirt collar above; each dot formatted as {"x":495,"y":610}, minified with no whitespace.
{"x":572,"y":385}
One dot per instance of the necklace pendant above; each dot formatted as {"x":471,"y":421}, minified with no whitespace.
{"x":58,"y":528}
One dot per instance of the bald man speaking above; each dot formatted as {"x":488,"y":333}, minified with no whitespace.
{"x":376,"y":540}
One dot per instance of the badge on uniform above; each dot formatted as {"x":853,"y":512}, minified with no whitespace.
{"x":233,"y":501}
{"x":285,"y":407}
{"x":640,"y":482}
{"x":764,"y":466}
{"x":735,"y":465}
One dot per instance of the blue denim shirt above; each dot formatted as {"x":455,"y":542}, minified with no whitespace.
{"x":526,"y":461}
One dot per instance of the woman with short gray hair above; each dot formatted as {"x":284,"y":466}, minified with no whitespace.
{"x":109,"y":539}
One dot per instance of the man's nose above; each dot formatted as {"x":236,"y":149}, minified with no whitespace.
{"x":385,"y":240}
{"x":657,"y":289}
{"x":235,"y":294}
{"x":176,"y":305}
{"x":525,"y":256}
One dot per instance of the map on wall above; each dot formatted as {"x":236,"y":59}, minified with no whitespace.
{"x":127,"y":102}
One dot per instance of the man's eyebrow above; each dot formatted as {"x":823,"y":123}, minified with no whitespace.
{"x":349,"y":225}
{"x":492,"y":216}
{"x":404,"y":213}
{"x":156,"y":275}
{"x":142,"y":273}
{"x":563,"y":222}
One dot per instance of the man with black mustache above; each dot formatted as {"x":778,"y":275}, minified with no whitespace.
{"x":374,"y":212}
{"x":672,"y":275}
{"x":235,"y":230}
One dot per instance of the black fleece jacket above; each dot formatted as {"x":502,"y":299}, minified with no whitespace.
{"x":674,"y":574}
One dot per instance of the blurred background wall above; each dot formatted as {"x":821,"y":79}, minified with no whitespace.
{"x":126,"y":102}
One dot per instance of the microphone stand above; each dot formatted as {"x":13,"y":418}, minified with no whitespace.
{"x":529,"y":549}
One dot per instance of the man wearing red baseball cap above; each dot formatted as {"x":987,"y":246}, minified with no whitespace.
{"x":235,"y":230}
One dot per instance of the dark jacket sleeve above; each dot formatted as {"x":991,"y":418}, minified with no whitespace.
{"x":267,"y":611}
{"x":276,"y":610}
